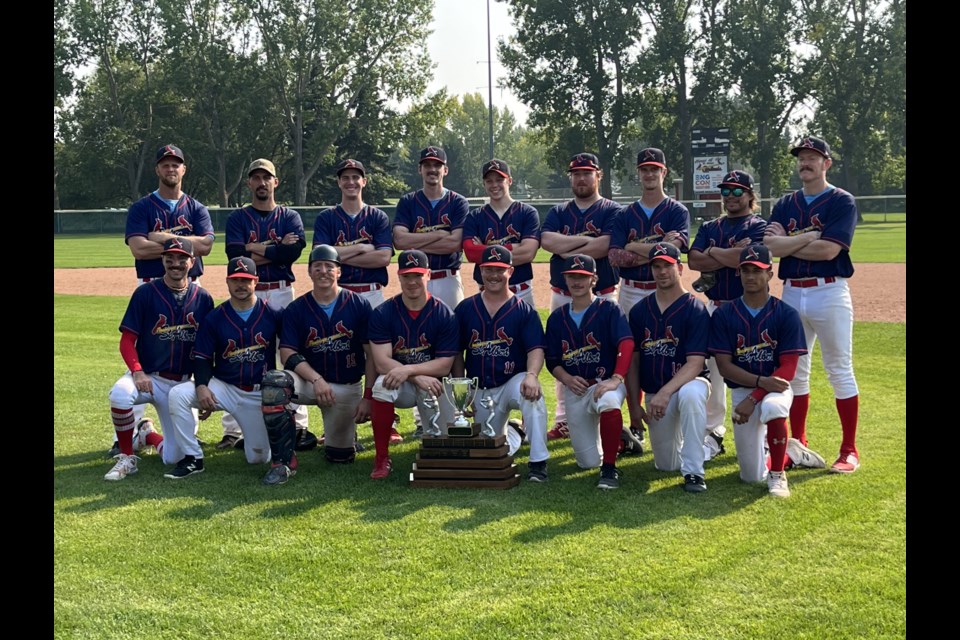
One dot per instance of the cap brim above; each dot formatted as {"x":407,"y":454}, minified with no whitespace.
{"x":505,"y":175}
{"x":580,"y":271}
{"x":796,"y":151}
{"x":734,"y":185}
{"x":669,"y":259}
{"x":655,"y":164}
{"x":170,"y":155}
{"x":242,"y":275}
{"x":413,"y":270}
{"x":502,"y":265}
{"x":432,"y":160}
{"x":189,"y":255}
{"x":762,"y":265}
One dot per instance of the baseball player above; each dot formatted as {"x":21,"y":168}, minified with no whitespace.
{"x":505,"y":222}
{"x":323,"y":345}
{"x":670,"y":330}
{"x":503,"y":339}
{"x":273,"y":237}
{"x":579,"y":226}
{"x":413,"y":341}
{"x":166,"y":213}
{"x":654,"y":218}
{"x":716,"y":255}
{"x":235,"y":347}
{"x":158,"y":332}
{"x":811,"y":231}
{"x":589,"y":347}
{"x":360,"y":234}
{"x":757,"y":340}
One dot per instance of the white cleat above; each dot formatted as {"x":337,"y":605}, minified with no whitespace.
{"x":125,"y":466}
{"x":802,"y":456}
{"x":141,"y":430}
{"x":777,"y":484}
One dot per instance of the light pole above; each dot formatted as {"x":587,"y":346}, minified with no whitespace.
{"x":490,"y":80}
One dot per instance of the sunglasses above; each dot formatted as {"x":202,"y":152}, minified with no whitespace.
{"x":735,"y":192}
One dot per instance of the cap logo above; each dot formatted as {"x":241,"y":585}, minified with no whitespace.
{"x":649,"y":155}
{"x":752,"y":254}
{"x":411,"y":261}
{"x":176,"y":243}
{"x":808,"y":143}
{"x":495,"y":253}
{"x":240,"y":266}
{"x":659,"y":250}
{"x":730,"y":177}
{"x":578,"y":263}
{"x":350,"y":164}
{"x":431,"y":151}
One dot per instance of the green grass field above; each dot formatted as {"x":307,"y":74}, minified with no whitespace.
{"x":873,"y":242}
{"x":332,"y":554}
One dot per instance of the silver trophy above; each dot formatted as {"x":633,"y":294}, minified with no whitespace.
{"x":460,"y":392}
{"x":487,"y":403}
{"x":432,"y":429}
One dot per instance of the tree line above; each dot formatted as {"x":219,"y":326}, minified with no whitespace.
{"x":308,"y":83}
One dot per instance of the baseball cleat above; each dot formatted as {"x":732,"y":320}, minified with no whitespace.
{"x":609,"y":477}
{"x":777,"y":484}
{"x":141,"y":430}
{"x":114,"y":450}
{"x":802,"y":456}
{"x":395,"y":437}
{"x":230,"y":441}
{"x":537,"y":471}
{"x":305,"y":440}
{"x":559,"y":431}
{"x":381,"y":469}
{"x":125,"y":466}
{"x":187,"y":466}
{"x":846,"y":464}
{"x":278,"y":474}
{"x":694,"y":483}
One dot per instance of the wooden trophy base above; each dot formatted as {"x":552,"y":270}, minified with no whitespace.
{"x":464,"y":462}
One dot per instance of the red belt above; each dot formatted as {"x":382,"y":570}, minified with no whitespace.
{"x":811,"y":282}
{"x":362,"y":288}
{"x":640,"y":284}
{"x":266,"y":286}
{"x":248,"y":387}
{"x":176,"y":377}
{"x":602,"y":292}
{"x":442,"y":273}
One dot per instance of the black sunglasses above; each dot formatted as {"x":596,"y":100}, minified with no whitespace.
{"x":725,"y":191}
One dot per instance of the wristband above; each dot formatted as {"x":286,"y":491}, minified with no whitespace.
{"x":531,"y":373}
{"x":754,"y":400}
{"x":619,"y":377}
{"x":293,"y":361}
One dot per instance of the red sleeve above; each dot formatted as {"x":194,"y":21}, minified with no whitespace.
{"x":473,"y":250}
{"x":128,"y":350}
{"x":786,"y":370}
{"x":624,"y":356}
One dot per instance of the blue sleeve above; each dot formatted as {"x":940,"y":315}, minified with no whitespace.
{"x":382,"y":235}
{"x":842,"y":219}
{"x":202,"y":225}
{"x":757,"y":226}
{"x":533,"y":329}
{"x":618,"y":235}
{"x":363,"y":311}
{"x":552,"y":355}
{"x":378,"y":329}
{"x":321,"y":229}
{"x":206,"y":343}
{"x":552,"y":221}
{"x":235,"y":233}
{"x":698,"y":329}
{"x":448,"y":332}
{"x":290,"y":327}
{"x":530,"y":227}
{"x":717,"y":341}
{"x":459,"y":212}
{"x":404,"y":212}
{"x":471,"y":224}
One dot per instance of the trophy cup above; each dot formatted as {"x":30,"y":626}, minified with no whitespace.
{"x":487,"y":430}
{"x":461,"y":393}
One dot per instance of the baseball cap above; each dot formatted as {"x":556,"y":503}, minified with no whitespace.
{"x":169,"y":151}
{"x":178,"y":245}
{"x":262,"y":163}
{"x":499,"y":166}
{"x":496,"y":256}
{"x":413,"y":261}
{"x":653,"y":156}
{"x":584,"y":161}
{"x":816,"y":144}
{"x":737,"y":179}
{"x":241,"y":267}
{"x":343,"y":165}
{"x":580,"y":263}
{"x":434,"y":153}
{"x":756,"y":254}
{"x":665,"y":251}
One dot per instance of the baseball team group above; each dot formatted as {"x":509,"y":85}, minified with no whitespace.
{"x":621,"y":327}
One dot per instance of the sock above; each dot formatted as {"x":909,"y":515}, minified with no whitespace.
{"x":154,"y":440}
{"x":123,"y":425}
{"x":381,"y":415}
{"x":777,"y":441}
{"x":849,"y":410}
{"x":611,"y":425}
{"x":798,"y":417}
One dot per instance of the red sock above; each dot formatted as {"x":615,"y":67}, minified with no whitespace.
{"x":381,"y":415}
{"x":154,"y":440}
{"x":849,"y":410}
{"x":798,"y":417}
{"x":611,"y":425}
{"x":123,"y":425}
{"x":777,"y":441}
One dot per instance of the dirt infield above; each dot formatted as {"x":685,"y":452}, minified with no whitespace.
{"x":879,"y":290}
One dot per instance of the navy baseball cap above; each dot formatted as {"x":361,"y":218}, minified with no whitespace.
{"x":815,"y":144}
{"x":264,"y":165}
{"x":413,"y":261}
{"x":169,"y":151}
{"x":498,"y":166}
{"x":653,"y":156}
{"x":580,"y":263}
{"x":178,"y":245}
{"x":343,"y":165}
{"x":665,"y":251}
{"x":584,"y":162}
{"x":737,"y":179}
{"x":496,"y":256}
{"x":756,"y":254}
{"x":242,"y":267}
{"x":433,"y":153}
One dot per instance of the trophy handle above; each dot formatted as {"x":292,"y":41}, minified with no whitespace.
{"x":474,"y":387}
{"x":445,"y":383}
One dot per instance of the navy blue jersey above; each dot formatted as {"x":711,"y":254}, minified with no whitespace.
{"x":496,"y":347}
{"x":598,"y":220}
{"x":241,"y":350}
{"x":337,"y":228}
{"x":417,"y":215}
{"x":590,"y":350}
{"x":665,"y":340}
{"x":166,"y":328}
{"x":150,"y":213}
{"x":519,"y":222}
{"x":333,"y":345}
{"x":252,"y":225}
{"x":834,"y":215}
{"x":724,"y":232}
{"x":633,"y":225}
{"x":756,"y":344}
{"x":432,"y":334}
